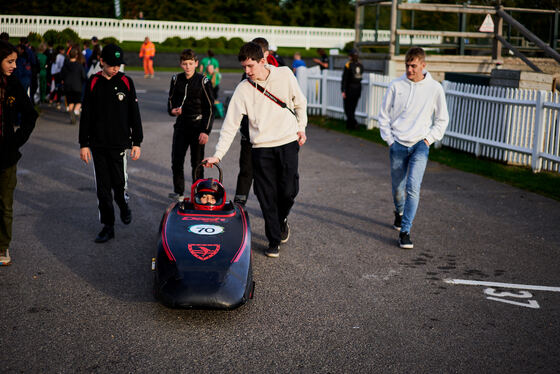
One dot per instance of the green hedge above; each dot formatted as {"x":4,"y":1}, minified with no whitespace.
{"x":220,"y":46}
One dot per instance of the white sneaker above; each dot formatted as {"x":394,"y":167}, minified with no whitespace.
{"x":5,"y":258}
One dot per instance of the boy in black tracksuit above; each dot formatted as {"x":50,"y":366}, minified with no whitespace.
{"x":109,"y":125}
{"x":191,"y":101}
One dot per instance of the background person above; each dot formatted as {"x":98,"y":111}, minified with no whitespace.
{"x":351,"y":88}
{"x":110,"y":124}
{"x":147,"y":54}
{"x":43,"y":65}
{"x":56,"y":68}
{"x":298,"y":62}
{"x":95,"y":65}
{"x":190,"y":100}
{"x":24,"y":68}
{"x":323,"y":60}
{"x":35,"y":68}
{"x":272,"y":53}
{"x":405,"y":122}
{"x":17,"y":120}
{"x":210,"y":67}
{"x":73,"y":77}
{"x":86,"y":52}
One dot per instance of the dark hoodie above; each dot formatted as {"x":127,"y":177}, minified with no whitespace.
{"x":16,"y":109}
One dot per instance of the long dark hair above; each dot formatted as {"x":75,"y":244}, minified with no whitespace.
{"x":6,"y":49}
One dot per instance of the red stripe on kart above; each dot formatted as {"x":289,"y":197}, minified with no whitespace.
{"x":206,"y":215}
{"x":164,"y":235}
{"x":244,"y":240}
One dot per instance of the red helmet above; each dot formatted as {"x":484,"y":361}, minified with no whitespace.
{"x":208,"y":194}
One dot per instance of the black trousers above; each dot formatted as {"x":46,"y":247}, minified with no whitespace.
{"x":245,"y":176}
{"x":8,"y":181}
{"x":110,"y":179}
{"x":350,"y":103}
{"x":275,"y":171}
{"x":183,"y":138}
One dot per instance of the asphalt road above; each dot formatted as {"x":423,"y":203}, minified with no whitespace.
{"x":342,"y":297}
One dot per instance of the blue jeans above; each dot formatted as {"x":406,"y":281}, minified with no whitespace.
{"x":407,"y":170}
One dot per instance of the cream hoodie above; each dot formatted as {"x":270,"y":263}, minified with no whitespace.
{"x":407,"y":109}
{"x":269,"y":124}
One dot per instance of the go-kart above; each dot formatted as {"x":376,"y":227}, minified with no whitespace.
{"x":203,"y":258}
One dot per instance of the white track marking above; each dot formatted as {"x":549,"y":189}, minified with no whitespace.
{"x":468,"y":282}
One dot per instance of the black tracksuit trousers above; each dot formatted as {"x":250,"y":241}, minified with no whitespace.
{"x":110,"y":178}
{"x":275,"y":171}
{"x":183,"y":138}
{"x":350,"y":103}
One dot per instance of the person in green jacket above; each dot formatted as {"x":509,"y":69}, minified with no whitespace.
{"x":42,"y":72}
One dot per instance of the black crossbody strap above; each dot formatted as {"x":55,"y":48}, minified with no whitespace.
{"x":271,"y":96}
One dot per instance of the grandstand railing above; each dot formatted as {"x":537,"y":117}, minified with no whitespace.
{"x":516,"y":126}
{"x":158,"y":31}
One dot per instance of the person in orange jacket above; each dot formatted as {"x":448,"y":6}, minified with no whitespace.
{"x":147,"y":54}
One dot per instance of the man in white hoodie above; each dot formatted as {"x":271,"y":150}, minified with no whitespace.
{"x":277,"y":110}
{"x":413,"y":115}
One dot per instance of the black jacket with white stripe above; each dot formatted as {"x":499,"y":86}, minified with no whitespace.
{"x":110,"y":115}
{"x":195,"y":97}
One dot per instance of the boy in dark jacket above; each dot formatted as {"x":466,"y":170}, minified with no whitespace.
{"x":109,"y":125}
{"x":191,"y":101}
{"x":15,"y":109}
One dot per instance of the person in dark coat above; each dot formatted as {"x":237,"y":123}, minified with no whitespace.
{"x":24,"y":67}
{"x":17,"y":121}
{"x":73,"y":77}
{"x":351,"y":88}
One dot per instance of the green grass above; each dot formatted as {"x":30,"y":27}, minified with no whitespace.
{"x":543,"y":183}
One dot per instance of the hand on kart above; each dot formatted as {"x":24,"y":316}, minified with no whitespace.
{"x":210,"y":161}
{"x":176,"y":111}
{"x":202,"y":138}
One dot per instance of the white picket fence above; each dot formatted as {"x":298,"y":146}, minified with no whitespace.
{"x":520,"y":127}
{"x":158,"y":31}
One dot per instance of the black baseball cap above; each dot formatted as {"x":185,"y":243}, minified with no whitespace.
{"x":112,"y":55}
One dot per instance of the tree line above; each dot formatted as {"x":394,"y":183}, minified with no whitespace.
{"x":308,"y":13}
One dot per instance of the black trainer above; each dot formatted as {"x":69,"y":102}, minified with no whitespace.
{"x":284,"y":231}
{"x":272,"y":251}
{"x":107,"y":233}
{"x":404,"y":240}
{"x":398,"y":221}
{"x":126,"y":215}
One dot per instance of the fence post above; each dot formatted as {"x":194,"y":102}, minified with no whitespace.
{"x":369,"y":104}
{"x":538,"y":135}
{"x":324,"y":92}
{"x":445,"y":86}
